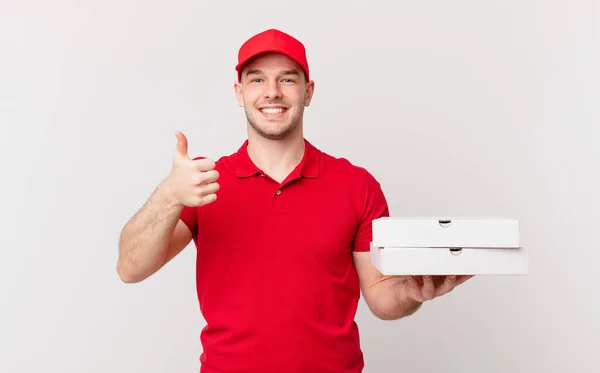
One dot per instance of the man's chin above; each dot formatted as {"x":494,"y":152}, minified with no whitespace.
{"x":279,"y":134}
{"x":274,"y":135}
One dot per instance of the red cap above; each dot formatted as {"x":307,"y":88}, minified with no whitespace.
{"x":272,"y":41}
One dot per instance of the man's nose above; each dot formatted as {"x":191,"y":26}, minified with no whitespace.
{"x":273,"y":90}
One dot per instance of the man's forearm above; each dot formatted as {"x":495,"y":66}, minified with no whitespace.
{"x":144,"y":241}
{"x":388,"y":301}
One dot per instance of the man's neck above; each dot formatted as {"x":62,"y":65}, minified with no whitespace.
{"x":276,"y":158}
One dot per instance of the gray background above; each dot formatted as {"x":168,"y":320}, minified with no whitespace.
{"x":459,"y":108}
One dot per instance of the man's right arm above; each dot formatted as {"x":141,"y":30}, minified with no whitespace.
{"x":156,"y":234}
{"x":152,"y":237}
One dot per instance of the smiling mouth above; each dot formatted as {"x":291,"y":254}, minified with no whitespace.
{"x":273,"y":110}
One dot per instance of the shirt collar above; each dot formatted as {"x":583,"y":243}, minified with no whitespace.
{"x":309,"y":166}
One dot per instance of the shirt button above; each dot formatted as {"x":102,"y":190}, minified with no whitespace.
{"x":278,"y":192}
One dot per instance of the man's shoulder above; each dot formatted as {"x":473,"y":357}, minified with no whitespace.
{"x":343,"y":165}
{"x":358,"y":182}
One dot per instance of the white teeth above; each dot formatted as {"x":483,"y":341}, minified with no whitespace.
{"x":272,"y":110}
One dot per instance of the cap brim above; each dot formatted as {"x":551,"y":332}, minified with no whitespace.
{"x":241,"y":64}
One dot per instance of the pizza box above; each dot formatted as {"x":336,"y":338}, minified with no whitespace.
{"x":447,"y":246}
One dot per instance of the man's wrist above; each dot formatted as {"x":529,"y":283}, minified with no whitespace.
{"x":409,"y":305}
{"x":166,"y":195}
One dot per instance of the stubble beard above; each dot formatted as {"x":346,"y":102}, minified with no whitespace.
{"x":279,"y":133}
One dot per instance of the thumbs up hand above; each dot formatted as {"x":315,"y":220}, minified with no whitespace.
{"x":191,"y":182}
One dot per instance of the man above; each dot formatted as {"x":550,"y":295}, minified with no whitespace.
{"x":283,"y":252}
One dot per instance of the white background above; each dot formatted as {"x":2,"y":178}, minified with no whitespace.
{"x":459,"y":108}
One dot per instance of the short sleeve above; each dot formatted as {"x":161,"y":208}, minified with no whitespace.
{"x":372,"y":205}
{"x":189,"y":216}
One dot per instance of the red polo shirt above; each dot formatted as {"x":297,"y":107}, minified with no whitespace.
{"x":276,"y":281}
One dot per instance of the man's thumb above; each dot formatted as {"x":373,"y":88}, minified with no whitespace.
{"x":182,"y":145}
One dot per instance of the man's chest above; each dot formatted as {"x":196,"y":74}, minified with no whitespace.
{"x":304,"y":217}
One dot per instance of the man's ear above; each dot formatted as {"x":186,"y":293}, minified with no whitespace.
{"x":238,"y":93}
{"x":310,"y":90}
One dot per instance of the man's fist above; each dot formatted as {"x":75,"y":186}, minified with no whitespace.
{"x":192,"y":182}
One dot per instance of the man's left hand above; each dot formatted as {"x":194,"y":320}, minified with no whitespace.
{"x":424,"y":288}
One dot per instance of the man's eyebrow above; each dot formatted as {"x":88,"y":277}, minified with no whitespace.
{"x":254,"y":71}
{"x":291,"y":72}
{"x":285,"y":72}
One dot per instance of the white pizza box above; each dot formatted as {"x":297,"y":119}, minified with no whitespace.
{"x":447,"y":246}
{"x":445,"y":232}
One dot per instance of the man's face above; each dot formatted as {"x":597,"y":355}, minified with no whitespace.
{"x":273,"y":92}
